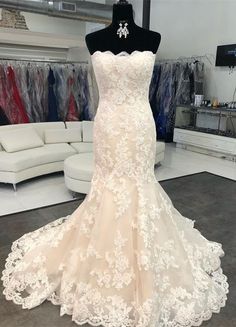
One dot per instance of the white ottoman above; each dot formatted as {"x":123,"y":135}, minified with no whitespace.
{"x":78,"y":169}
{"x":78,"y":172}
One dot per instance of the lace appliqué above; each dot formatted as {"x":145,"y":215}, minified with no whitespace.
{"x":118,"y":273}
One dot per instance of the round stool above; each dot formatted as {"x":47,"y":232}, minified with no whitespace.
{"x":78,"y":172}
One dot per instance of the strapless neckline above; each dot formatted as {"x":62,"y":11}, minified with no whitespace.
{"x":122,"y":53}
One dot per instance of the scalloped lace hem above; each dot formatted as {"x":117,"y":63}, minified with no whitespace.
{"x":196,"y":320}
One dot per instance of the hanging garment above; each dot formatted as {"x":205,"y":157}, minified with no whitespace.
{"x":183,"y":95}
{"x":94,"y":92}
{"x":41,"y":90}
{"x":154,"y":85}
{"x":37,"y":91}
{"x":191,"y":78}
{"x":3,"y":117}
{"x":15,"y":108}
{"x":72,"y":114}
{"x":125,"y":256}
{"x":61,"y":75}
{"x":177,"y":85}
{"x":35,"y":106}
{"x":3,"y":91}
{"x":165,"y":102}
{"x":170,"y":114}
{"x":31,"y":81}
{"x":21,"y":72}
{"x":84,"y":94}
{"x":52,"y":101}
{"x":198,"y":72}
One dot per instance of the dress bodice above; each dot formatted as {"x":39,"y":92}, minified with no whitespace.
{"x":123,"y":77}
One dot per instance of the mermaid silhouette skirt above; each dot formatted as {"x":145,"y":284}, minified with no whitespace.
{"x":125,"y":257}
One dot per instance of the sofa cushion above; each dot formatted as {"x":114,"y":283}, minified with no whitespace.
{"x":38,"y":127}
{"x":20,"y":139}
{"x":74,"y":124}
{"x":43,"y":126}
{"x":62,"y":135}
{"x":80,"y":166}
{"x":87,"y":131}
{"x":83,"y":146}
{"x":24,"y":159}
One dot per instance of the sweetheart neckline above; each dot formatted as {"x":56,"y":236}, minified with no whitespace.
{"x":126,"y":54}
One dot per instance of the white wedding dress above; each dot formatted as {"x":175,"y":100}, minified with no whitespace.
{"x":125,"y":257}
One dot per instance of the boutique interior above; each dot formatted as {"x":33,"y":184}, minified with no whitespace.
{"x":48,"y":102}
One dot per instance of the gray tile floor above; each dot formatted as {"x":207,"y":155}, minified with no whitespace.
{"x":206,"y":198}
{"x":210,"y":200}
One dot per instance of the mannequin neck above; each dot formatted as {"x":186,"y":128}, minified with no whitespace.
{"x":122,"y":13}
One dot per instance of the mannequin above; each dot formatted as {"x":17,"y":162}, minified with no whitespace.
{"x":137,"y":38}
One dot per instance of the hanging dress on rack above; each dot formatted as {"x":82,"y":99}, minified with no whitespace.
{"x":84,"y":94}
{"x":3,"y":92}
{"x":198,"y":72}
{"x":21,"y":72}
{"x":15,"y":107}
{"x":61,"y":75}
{"x":165,"y":100}
{"x":3,"y":118}
{"x":52,"y":101}
{"x":72,"y":114}
{"x":154,"y":85}
{"x":183,"y":84}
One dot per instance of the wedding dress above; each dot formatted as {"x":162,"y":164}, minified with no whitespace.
{"x":125,"y":257}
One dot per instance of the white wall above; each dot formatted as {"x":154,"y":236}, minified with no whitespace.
{"x":91,"y":27}
{"x":196,"y":27}
{"x":78,"y":29}
{"x":49,"y":24}
{"x":138,"y":8}
{"x":55,"y":25}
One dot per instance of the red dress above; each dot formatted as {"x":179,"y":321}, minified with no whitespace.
{"x":3,"y":91}
{"x":72,"y":113}
{"x":14,"y":105}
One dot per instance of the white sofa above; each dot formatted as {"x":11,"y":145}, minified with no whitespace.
{"x":21,"y":162}
{"x":30,"y":150}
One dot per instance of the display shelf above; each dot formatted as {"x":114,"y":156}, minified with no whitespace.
{"x":207,"y":130}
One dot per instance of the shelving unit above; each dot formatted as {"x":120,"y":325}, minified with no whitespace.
{"x":206,"y":130}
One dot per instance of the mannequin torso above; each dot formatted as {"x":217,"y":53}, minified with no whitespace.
{"x":138,"y":38}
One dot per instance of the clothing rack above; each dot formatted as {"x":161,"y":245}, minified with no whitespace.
{"x":44,"y":90}
{"x":210,"y":57}
{"x":44,"y":61}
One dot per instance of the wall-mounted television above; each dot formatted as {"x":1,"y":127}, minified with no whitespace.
{"x":226,"y":55}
